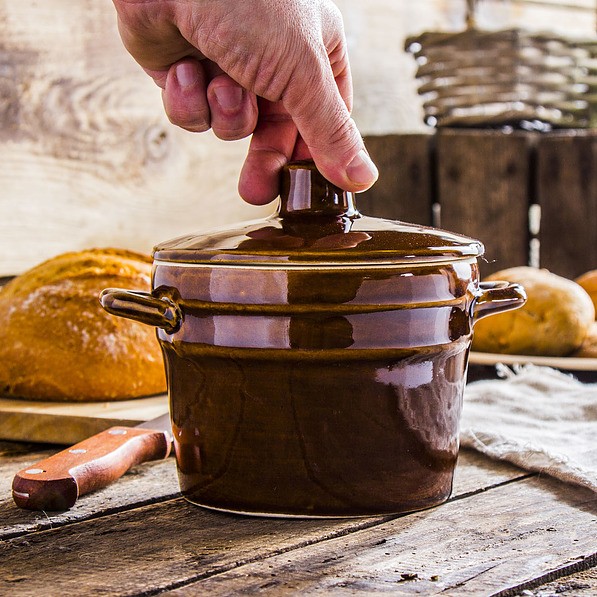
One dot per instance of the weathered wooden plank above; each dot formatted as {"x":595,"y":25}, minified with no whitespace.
{"x":157,"y":481}
{"x":142,"y":485}
{"x":483,"y":191}
{"x":477,"y":546}
{"x":88,"y":157}
{"x":158,"y":546}
{"x":404,"y":190}
{"x":172,"y":543}
{"x":567,"y":194}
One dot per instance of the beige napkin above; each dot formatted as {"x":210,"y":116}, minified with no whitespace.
{"x":537,"y":418}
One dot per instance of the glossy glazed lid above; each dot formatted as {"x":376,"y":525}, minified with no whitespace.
{"x":318,"y":224}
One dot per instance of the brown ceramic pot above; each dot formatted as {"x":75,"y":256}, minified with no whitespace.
{"x":316,"y":360}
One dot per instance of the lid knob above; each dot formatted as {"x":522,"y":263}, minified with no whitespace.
{"x":304,"y":191}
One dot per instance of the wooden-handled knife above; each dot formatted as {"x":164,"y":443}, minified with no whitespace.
{"x":57,"y":482}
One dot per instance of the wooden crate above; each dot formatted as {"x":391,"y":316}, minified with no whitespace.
{"x":566,"y":187}
{"x":531,"y":198}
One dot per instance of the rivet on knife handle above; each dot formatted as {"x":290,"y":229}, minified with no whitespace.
{"x":56,"y":482}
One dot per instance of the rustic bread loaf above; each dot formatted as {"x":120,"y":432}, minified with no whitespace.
{"x":554,"y":321}
{"x":56,"y":341}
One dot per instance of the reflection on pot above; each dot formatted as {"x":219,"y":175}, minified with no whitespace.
{"x":344,"y":408}
{"x":320,"y":436}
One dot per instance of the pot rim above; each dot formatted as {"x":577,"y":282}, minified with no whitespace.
{"x":269,"y":265}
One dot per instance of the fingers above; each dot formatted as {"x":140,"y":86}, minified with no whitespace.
{"x":233,"y":109}
{"x":196,"y":103}
{"x":272,"y":146}
{"x":319,"y":99}
{"x":331,"y":135}
{"x":185,"y":96}
{"x":301,"y":151}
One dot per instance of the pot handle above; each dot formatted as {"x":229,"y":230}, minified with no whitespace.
{"x":495,"y":297}
{"x":142,"y":306}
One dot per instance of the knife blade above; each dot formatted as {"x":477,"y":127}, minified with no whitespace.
{"x":55,"y":483}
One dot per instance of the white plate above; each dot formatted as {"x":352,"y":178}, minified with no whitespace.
{"x":567,"y":363}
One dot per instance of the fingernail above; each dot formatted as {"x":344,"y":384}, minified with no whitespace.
{"x":186,"y":74}
{"x":362,"y":170}
{"x":229,"y":98}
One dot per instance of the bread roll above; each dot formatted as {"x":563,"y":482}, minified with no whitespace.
{"x":56,"y":341}
{"x":554,"y":321}
{"x":589,"y":282}
{"x":588,"y":349}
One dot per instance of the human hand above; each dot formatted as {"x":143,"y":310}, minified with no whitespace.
{"x":276,"y":69}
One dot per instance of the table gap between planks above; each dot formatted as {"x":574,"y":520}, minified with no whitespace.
{"x":503,"y":531}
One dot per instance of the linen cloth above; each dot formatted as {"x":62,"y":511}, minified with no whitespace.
{"x":537,"y":418}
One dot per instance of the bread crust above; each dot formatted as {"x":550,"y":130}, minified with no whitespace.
{"x":56,"y":341}
{"x":588,"y":349}
{"x":554,"y":321}
{"x":589,"y":282}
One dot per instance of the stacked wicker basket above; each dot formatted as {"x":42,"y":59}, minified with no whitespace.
{"x":513,"y":77}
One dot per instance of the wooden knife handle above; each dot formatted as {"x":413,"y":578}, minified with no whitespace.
{"x":56,"y":482}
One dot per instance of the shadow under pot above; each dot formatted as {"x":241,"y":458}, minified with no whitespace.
{"x":316,"y":359}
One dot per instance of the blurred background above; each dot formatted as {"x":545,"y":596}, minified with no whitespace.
{"x":88,"y":159}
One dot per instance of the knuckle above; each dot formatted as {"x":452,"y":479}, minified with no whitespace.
{"x":196,"y":119}
{"x":190,"y":123}
{"x":230,"y":134}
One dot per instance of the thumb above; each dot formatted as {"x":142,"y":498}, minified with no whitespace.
{"x":330,"y":134}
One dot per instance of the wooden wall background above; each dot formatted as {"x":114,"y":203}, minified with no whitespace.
{"x":87,"y":157}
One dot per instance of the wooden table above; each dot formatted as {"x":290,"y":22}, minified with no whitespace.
{"x":503,"y":532}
